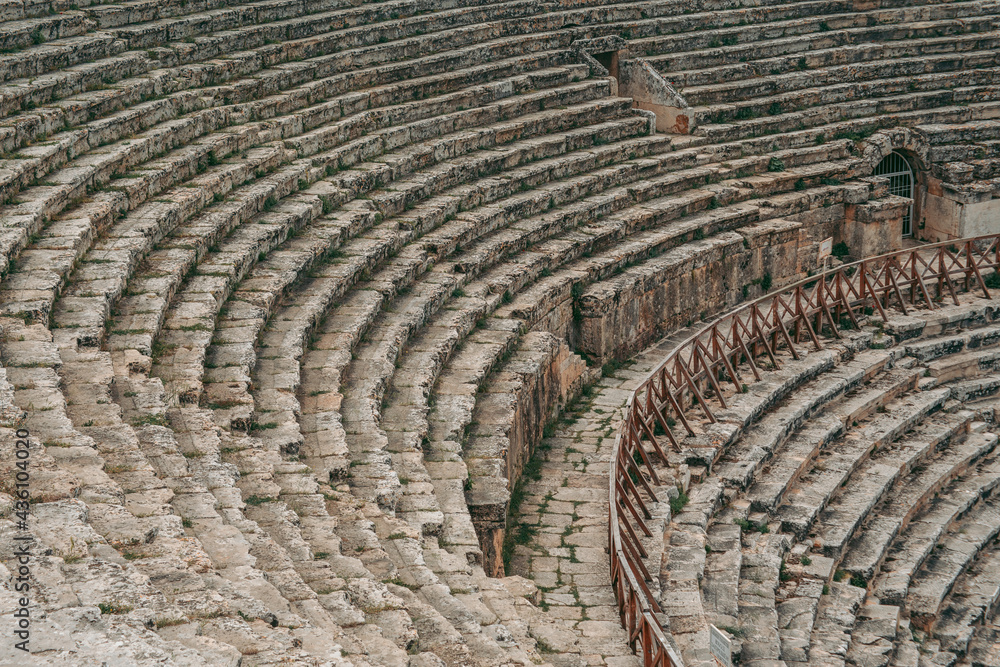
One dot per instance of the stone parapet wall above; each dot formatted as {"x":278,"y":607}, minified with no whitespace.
{"x":956,"y":211}
{"x":694,"y":281}
{"x":508,"y":423}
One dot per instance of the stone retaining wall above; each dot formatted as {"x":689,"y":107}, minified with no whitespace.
{"x":619,"y":317}
{"x":508,"y":424}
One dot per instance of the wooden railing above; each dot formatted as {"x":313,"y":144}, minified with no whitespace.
{"x":696,"y":371}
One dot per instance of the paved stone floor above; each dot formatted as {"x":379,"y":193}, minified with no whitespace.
{"x":561,"y":539}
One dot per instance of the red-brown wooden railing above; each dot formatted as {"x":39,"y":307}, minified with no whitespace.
{"x":695,"y":372}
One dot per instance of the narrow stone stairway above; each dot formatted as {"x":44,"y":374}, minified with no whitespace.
{"x":558,"y":538}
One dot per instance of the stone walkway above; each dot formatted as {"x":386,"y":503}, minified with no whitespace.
{"x":562,"y":536}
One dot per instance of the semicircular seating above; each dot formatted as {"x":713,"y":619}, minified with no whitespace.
{"x":321,"y":316}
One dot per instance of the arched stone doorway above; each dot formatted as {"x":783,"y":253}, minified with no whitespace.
{"x":897,"y":169}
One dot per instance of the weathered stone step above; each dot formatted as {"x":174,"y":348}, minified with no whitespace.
{"x":867,"y":549}
{"x":946,"y":319}
{"x":912,"y":548}
{"x":967,"y":365}
{"x":983,"y":131}
{"x":420,"y":370}
{"x":869,"y":483}
{"x":684,"y":567}
{"x":812,"y":490}
{"x":723,"y":562}
{"x":189,"y":319}
{"x":102,"y":215}
{"x":783,"y":51}
{"x":618,"y":226}
{"x":41,"y":203}
{"x":759,"y":580}
{"x":59,"y":54}
{"x":108,"y":84}
{"x":970,"y":603}
{"x":796,"y":35}
{"x":801,"y":449}
{"x":866,"y":632}
{"x":907,"y":652}
{"x":283,"y":514}
{"x":741,"y":463}
{"x":787,"y":57}
{"x":973,"y":390}
{"x":141,"y":525}
{"x":324,"y":532}
{"x":458,"y":478}
{"x":404,"y":418}
{"x":800,"y":594}
{"x":835,"y":621}
{"x":984,"y":648}
{"x":952,"y":555}
{"x":432,"y":513}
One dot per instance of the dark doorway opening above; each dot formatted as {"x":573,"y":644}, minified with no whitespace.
{"x":897,"y":169}
{"x":610,"y":61}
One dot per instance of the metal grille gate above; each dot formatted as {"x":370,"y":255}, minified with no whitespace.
{"x":895,"y":167}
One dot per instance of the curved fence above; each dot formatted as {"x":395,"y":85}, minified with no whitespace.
{"x":695,"y":372}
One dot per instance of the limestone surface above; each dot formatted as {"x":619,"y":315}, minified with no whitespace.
{"x":317,"y":318}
